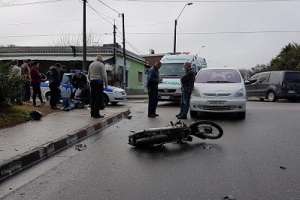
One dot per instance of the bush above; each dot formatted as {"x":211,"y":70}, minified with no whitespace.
{"x":10,"y":86}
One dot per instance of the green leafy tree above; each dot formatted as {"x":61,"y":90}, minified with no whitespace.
{"x":288,"y":58}
{"x":10,"y":86}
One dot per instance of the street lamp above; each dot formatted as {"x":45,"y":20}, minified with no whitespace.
{"x":175,"y":28}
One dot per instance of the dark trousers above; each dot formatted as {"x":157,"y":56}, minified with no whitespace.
{"x":54,"y":95}
{"x":36,"y":91}
{"x":96,"y":98}
{"x":185,"y":102}
{"x":26,"y":91}
{"x":153,"y":99}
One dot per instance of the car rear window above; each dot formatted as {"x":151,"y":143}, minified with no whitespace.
{"x":292,"y":77}
{"x":218,"y":76}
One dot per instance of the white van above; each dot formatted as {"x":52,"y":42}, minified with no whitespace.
{"x":171,"y":70}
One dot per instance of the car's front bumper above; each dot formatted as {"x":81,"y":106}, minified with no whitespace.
{"x":217,"y":105}
{"x":117,"y":97}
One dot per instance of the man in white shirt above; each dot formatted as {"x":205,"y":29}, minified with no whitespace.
{"x":98,"y":80}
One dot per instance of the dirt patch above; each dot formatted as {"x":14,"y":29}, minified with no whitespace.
{"x":17,"y":114}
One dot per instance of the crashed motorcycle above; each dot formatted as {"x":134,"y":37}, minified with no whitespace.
{"x":178,"y":132}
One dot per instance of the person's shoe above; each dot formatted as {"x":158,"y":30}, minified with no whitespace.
{"x":181,"y":117}
{"x":178,"y":115}
{"x":156,"y":115}
{"x":151,"y":115}
{"x":98,"y":116}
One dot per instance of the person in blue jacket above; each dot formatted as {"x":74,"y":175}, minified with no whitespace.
{"x":152,"y":86}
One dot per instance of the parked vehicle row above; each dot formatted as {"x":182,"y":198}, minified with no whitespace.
{"x":112,"y":94}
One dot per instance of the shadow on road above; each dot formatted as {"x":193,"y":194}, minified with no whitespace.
{"x":169,"y":150}
{"x":169,"y":104}
{"x":232,"y":117}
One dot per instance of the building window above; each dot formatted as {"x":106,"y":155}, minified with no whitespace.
{"x":140,"y":76}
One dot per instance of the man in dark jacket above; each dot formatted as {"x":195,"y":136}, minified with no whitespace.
{"x":187,"y":86}
{"x":54,"y":77}
{"x":152,"y":86}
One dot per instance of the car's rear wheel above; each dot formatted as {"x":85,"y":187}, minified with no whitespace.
{"x":271,"y":96}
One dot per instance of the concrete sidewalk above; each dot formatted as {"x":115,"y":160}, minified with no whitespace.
{"x":62,"y":129}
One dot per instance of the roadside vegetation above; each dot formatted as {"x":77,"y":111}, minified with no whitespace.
{"x":287,"y":59}
{"x":10,"y":114}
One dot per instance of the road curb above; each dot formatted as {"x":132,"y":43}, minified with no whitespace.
{"x":28,"y":159}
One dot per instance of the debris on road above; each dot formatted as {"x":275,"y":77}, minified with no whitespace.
{"x":206,"y":146}
{"x":283,"y":168}
{"x":129,"y":117}
{"x":80,"y":147}
{"x":229,"y":197}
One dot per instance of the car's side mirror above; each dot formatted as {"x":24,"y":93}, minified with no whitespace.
{"x":250,"y":81}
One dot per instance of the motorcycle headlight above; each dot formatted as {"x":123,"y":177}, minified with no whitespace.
{"x":240,"y":93}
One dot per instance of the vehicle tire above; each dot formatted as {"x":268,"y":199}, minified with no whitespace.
{"x":206,"y":130}
{"x":193,"y":114}
{"x":262,"y":99}
{"x":271,"y":96}
{"x":241,"y":115}
{"x":114,"y":103}
{"x":47,"y":96}
{"x":105,"y":100}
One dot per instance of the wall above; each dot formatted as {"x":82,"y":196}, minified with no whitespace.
{"x":135,"y":86}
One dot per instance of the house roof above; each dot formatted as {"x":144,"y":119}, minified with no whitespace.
{"x":66,"y":53}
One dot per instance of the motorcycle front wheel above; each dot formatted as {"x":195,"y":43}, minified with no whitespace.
{"x":206,"y":130}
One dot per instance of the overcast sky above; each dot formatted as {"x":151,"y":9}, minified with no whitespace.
{"x":47,"y":23}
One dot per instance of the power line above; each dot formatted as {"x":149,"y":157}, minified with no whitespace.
{"x":99,"y":15}
{"x":216,"y":33}
{"x":208,"y":1}
{"x":45,"y":35}
{"x":138,"y":51}
{"x":30,"y":3}
{"x":108,"y":6}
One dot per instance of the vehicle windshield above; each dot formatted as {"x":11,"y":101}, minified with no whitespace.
{"x":292,"y":77}
{"x":171,"y":69}
{"x":218,"y":76}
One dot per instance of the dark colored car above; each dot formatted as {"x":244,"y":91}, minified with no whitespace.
{"x":274,"y":85}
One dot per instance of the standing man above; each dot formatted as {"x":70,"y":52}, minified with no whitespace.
{"x":16,"y":74}
{"x":152,"y":85}
{"x":98,"y":79}
{"x":25,"y":70}
{"x":53,"y":76}
{"x":36,"y":79}
{"x":187,"y":86}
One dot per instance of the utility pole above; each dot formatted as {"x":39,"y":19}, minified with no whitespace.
{"x":175,"y":29}
{"x":84,"y":68}
{"x":114,"y":32}
{"x":124,"y":54}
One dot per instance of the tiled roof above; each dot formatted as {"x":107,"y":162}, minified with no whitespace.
{"x":65,"y":51}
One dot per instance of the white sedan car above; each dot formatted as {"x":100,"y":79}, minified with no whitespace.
{"x":218,"y":90}
{"x":112,"y":94}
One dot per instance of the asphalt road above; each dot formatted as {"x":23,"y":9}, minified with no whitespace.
{"x":257,"y":159}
